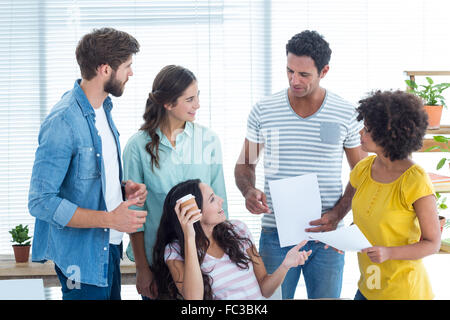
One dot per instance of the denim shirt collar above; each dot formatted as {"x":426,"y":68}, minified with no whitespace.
{"x":84,"y":103}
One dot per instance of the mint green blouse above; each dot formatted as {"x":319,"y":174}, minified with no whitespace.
{"x":197,"y":155}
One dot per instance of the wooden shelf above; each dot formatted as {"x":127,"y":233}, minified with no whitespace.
{"x":427,"y":73}
{"x":9,"y":269}
{"x":429,"y":142}
{"x":412,"y":74}
{"x":444,"y":129}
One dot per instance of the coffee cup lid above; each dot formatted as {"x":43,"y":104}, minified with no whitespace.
{"x":186,"y":198}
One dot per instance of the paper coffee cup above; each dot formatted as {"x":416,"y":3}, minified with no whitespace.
{"x":188,"y":200}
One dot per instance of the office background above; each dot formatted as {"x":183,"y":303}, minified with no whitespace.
{"x":235,"y":48}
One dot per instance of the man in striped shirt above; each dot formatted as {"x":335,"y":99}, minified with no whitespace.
{"x":302,"y":129}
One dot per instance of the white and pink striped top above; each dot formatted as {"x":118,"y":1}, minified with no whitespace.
{"x":229,"y":282}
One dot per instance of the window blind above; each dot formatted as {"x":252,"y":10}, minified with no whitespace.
{"x":220,"y":41}
{"x":20,"y":110}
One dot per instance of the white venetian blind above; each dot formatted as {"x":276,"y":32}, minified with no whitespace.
{"x":21,"y":111}
{"x":222,"y":42}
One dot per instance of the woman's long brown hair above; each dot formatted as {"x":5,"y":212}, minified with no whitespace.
{"x":168,"y":86}
{"x":170,"y":232}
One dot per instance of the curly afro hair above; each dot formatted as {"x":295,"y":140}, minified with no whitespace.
{"x":311,"y":44}
{"x":396,"y":121}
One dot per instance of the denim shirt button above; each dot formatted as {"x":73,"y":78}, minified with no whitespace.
{"x":98,"y":154}
{"x":105,"y":248}
{"x":106,"y":230}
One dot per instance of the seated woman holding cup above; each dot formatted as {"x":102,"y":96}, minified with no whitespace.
{"x":199,"y":254}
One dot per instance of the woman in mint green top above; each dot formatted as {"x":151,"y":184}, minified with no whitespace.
{"x":168,"y":149}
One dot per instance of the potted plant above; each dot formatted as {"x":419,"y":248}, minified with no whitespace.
{"x":22,"y":245}
{"x":431,"y":95}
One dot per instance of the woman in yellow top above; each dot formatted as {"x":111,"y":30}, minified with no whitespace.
{"x":394,"y":203}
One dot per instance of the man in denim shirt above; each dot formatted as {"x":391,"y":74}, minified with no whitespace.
{"x":76,"y":193}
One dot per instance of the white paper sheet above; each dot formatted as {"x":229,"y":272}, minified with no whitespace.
{"x":296,"y":201}
{"x":344,"y":239}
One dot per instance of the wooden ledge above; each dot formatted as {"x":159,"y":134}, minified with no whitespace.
{"x":9,"y":269}
{"x":427,"y":73}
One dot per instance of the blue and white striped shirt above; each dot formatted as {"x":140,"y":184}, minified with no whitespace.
{"x":296,"y":146}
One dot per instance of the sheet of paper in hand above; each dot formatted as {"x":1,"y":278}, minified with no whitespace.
{"x":344,"y":239}
{"x":296,"y":201}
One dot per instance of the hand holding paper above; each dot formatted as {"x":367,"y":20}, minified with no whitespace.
{"x":378,"y":254}
{"x":328,"y":222}
{"x":344,"y":239}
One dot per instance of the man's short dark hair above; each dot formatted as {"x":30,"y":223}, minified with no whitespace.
{"x":104,"y":46}
{"x":311,"y":44}
{"x":396,"y":121}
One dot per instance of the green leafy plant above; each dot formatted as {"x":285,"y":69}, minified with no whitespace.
{"x":441,"y":205}
{"x":20,"y":235}
{"x":445,"y":148}
{"x":431,"y":94}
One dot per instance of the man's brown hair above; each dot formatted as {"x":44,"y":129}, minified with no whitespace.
{"x":104,"y":46}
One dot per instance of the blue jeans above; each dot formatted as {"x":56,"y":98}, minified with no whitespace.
{"x":322,"y":271}
{"x":81,"y":291}
{"x":359,"y":296}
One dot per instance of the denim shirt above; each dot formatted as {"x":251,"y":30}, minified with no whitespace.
{"x":68,"y":173}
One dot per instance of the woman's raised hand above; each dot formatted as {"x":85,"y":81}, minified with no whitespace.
{"x":295,"y":258}
{"x":187,"y":218}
